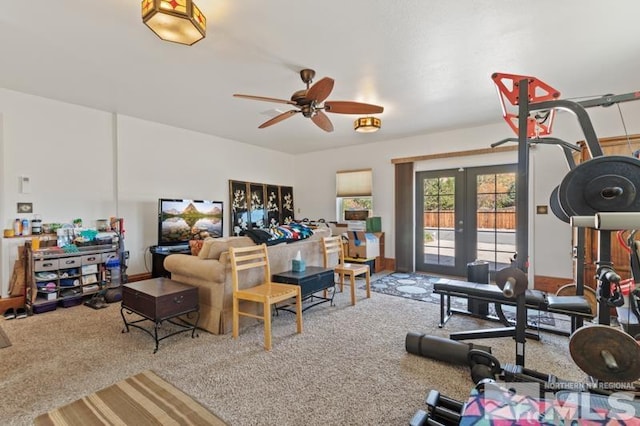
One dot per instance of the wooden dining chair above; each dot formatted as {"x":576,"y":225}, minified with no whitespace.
{"x":333,"y":251}
{"x":266,"y":293}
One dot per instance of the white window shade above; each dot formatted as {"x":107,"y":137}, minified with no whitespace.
{"x":354,"y":183}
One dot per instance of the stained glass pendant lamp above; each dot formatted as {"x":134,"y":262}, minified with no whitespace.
{"x":367,"y":124}
{"x":179,"y":21}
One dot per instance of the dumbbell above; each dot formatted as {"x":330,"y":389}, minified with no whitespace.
{"x":440,"y":348}
{"x":483,"y":365}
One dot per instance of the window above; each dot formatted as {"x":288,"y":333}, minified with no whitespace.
{"x":353,"y":193}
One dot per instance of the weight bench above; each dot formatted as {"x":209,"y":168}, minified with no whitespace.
{"x":577,"y":307}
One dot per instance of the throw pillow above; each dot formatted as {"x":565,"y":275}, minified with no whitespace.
{"x":195,"y":246}
{"x":239,"y":242}
{"x":204,"y":251}
{"x":213,"y":248}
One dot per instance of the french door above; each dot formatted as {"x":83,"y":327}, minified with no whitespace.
{"x":464,"y":215}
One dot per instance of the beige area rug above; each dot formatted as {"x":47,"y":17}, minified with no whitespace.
{"x":4,"y":339}
{"x":348,"y":367}
{"x":143,"y":399}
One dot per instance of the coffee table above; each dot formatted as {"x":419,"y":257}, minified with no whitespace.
{"x":312,"y":280}
{"x":158,"y":300}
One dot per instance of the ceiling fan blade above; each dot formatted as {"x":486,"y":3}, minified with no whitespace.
{"x":322,"y":121}
{"x":320,"y":90}
{"x":278,"y":118}
{"x":263,"y":98}
{"x":347,"y":107}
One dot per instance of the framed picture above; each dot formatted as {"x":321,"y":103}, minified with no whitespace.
{"x":239,"y":207}
{"x":25,"y":207}
{"x":258,"y":206}
{"x":286,"y":204}
{"x":273,"y":205}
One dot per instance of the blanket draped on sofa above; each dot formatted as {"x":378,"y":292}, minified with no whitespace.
{"x":279,"y":234}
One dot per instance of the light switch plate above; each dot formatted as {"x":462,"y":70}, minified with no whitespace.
{"x":25,"y":185}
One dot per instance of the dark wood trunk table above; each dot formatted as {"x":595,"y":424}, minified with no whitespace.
{"x":158,"y":300}
{"x":312,"y":280}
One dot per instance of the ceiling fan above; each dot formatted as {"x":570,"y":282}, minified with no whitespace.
{"x":311,"y":103}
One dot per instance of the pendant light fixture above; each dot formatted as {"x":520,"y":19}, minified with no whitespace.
{"x":179,"y":21}
{"x":367,"y":124}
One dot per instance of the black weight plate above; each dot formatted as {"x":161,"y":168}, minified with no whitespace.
{"x":477,"y":356}
{"x":521,"y":280}
{"x":617,"y":189}
{"x":556,"y":208}
{"x":606,"y":353}
{"x":603,"y":184}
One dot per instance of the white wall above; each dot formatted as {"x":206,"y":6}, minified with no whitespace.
{"x":550,"y":239}
{"x":158,"y":161}
{"x":65,"y":150}
{"x":91,"y":164}
{"x":316,"y":171}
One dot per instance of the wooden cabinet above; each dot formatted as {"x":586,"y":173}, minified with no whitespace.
{"x":157,"y":264}
{"x":158,"y":255}
{"x":624,"y":146}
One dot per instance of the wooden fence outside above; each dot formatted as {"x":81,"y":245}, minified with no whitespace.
{"x":485,"y":220}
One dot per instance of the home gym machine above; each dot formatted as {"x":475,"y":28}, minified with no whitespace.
{"x":607,"y":190}
{"x":610,"y":357}
{"x":601,"y":184}
{"x":513,"y":394}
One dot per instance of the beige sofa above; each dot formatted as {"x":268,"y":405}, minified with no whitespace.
{"x":210,"y":271}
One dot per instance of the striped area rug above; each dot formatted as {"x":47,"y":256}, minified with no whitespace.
{"x":143,"y":399}
{"x":4,"y":339}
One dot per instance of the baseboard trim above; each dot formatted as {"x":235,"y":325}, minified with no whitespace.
{"x":389,"y":264}
{"x":139,"y":277}
{"x":550,"y":284}
{"x":11,"y":302}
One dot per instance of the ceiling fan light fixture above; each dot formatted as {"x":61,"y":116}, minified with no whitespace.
{"x":307,"y":102}
{"x":178,"y":21}
{"x":367,"y":124}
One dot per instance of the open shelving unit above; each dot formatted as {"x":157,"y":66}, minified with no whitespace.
{"x":60,"y":278}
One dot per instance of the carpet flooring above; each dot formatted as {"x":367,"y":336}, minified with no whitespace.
{"x":419,"y":286}
{"x":348,"y":367}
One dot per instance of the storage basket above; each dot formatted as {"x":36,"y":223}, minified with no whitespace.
{"x":43,"y":307}
{"x":67,"y":302}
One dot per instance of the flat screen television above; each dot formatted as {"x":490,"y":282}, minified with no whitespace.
{"x":182,"y":220}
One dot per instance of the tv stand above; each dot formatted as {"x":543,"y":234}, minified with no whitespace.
{"x":158,"y":253}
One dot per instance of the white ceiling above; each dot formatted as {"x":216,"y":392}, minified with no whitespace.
{"x":428,"y":62}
